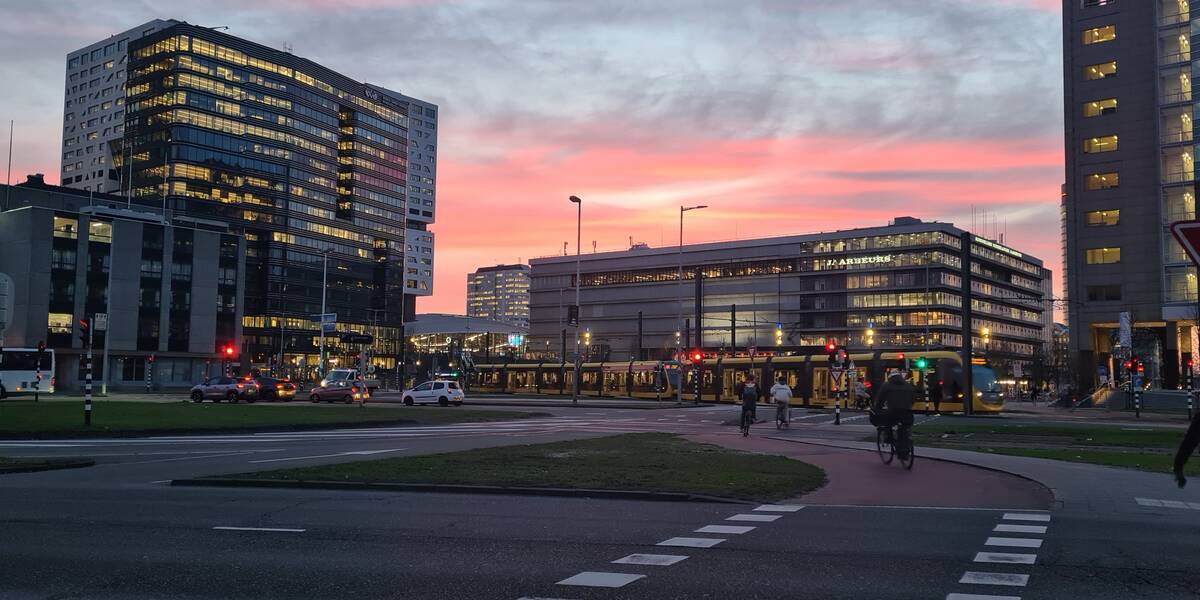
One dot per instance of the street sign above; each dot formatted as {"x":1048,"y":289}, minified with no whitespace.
{"x":1126,"y":330}
{"x":329,"y":327}
{"x":753,"y":351}
{"x":1187,"y":233}
{"x":353,"y":337}
{"x":573,"y":315}
{"x":101,"y":322}
{"x":327,"y":317}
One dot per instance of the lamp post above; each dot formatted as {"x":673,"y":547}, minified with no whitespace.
{"x":324,"y":283}
{"x":679,"y":294}
{"x":578,"y":237}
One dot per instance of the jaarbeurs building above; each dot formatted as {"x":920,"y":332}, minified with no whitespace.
{"x":298,"y":159}
{"x":894,"y":287}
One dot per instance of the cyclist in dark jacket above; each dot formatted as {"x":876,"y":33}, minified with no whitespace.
{"x":893,"y":406}
{"x":1190,"y":440}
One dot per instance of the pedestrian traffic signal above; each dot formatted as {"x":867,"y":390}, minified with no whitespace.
{"x":41,"y":347}
{"x":779,"y":334}
{"x":922,"y":362}
{"x":150,"y":359}
{"x":84,"y":326}
{"x":697,"y":356}
{"x":228,"y":351}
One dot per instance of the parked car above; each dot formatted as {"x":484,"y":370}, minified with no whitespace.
{"x":276,"y":389}
{"x":226,"y":388}
{"x":442,"y":391}
{"x":353,"y":375}
{"x":343,"y":390}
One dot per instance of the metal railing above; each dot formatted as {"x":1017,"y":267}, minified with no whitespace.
{"x":1178,"y":177}
{"x":1174,"y":58}
{"x":1176,"y":137}
{"x":1175,"y":19}
{"x":1176,"y":97}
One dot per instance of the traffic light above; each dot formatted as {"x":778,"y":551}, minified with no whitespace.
{"x":41,"y":347}
{"x":1141,"y":368}
{"x":84,"y":327}
{"x":870,"y":334}
{"x":150,"y":359}
{"x":779,"y":334}
{"x":697,"y":356}
{"x":1129,"y":365}
{"x":922,"y":363}
{"x":228,"y":351}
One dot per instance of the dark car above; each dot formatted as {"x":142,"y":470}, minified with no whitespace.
{"x":226,"y":388}
{"x":343,"y":390}
{"x":272,"y":389}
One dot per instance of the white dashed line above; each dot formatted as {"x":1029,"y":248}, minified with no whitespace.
{"x":780,"y":508}
{"x":660,"y":560}
{"x":753,"y":518}
{"x":1026,"y":517}
{"x":1006,"y":528}
{"x":983,"y":578}
{"x":735,"y":529}
{"x":691,"y":542}
{"x":538,"y":598}
{"x":1014,"y":542}
{"x":1005,"y":558}
{"x":979,"y":597}
{"x":599,"y":579}
{"x":1148,"y":502}
{"x":274,"y":529}
{"x":1174,"y":504}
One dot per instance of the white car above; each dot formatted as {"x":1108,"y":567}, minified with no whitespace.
{"x":442,"y":391}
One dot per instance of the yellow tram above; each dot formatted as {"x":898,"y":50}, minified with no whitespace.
{"x":809,"y":377}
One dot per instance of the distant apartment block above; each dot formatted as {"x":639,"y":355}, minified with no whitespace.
{"x":500,"y":293}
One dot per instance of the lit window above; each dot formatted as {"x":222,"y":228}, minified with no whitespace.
{"x":1102,"y":181}
{"x":1103,"y":218}
{"x":1096,"y":35}
{"x":60,"y":323}
{"x":1100,"y":107}
{"x":1103,"y":256}
{"x":1100,"y":71}
{"x":1096,"y":145}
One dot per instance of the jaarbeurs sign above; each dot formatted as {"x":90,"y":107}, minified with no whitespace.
{"x":862,"y":260}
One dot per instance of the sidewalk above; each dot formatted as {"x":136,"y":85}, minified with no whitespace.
{"x":1026,"y":410}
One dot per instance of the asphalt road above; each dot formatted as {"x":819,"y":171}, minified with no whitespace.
{"x":117,"y":530}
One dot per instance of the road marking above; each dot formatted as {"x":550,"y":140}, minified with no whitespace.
{"x":979,"y":597}
{"x":538,"y":598}
{"x":1148,"y":502}
{"x":599,"y":579}
{"x":734,"y":529}
{"x":660,"y":560}
{"x":1174,"y":504}
{"x":162,"y":481}
{"x":691,"y":542}
{"x":1026,"y":517}
{"x":275,"y":529}
{"x":780,"y":508}
{"x":1006,"y":528}
{"x":1014,"y":542}
{"x":984,"y":578}
{"x":354,"y":453}
{"x":1005,"y":558}
{"x":753,"y":518}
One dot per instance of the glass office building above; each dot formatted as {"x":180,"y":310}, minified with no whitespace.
{"x":310,"y":166}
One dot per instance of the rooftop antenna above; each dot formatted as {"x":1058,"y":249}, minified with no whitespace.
{"x":593,"y":246}
{"x":287,"y":47}
{"x":220,"y":27}
{"x":564,"y":248}
{"x":8,"y":179}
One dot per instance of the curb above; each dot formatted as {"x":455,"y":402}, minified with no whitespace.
{"x":1057,"y":501}
{"x":457,"y":489}
{"x":49,"y":465}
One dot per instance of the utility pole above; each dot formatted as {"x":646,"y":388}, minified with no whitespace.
{"x":968,"y":315}
{"x":679,"y":354}
{"x":578,"y":317}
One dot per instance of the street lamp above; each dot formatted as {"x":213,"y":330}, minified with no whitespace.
{"x":987,"y":340}
{"x":679,"y":294}
{"x":578,"y":237}
{"x":324,"y":283}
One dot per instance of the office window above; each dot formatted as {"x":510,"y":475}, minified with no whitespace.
{"x":1100,"y":293}
{"x":1097,"y":145}
{"x":1103,"y":218}
{"x":1097,"y":35}
{"x":1103,"y":256}
{"x":1100,"y":71}
{"x":1100,"y":107}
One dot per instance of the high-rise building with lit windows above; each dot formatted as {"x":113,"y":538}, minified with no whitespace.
{"x":500,"y":293}
{"x":1129,"y":107}
{"x":314,"y":169}
{"x":94,"y":110}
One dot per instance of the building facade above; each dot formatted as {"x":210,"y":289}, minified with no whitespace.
{"x":171,"y":289}
{"x":94,"y":110}
{"x":1127,"y":71}
{"x":894,"y":287}
{"x":315,"y":170}
{"x":501,"y":293}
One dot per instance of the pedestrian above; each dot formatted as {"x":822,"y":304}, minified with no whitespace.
{"x":1190,"y":440}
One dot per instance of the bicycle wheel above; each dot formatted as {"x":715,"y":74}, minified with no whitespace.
{"x":745,"y":423}
{"x":908,"y":457}
{"x":884,"y":446}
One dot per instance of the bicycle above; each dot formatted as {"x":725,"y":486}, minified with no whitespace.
{"x":782,"y":418}
{"x":747,"y":421}
{"x":885,"y":445}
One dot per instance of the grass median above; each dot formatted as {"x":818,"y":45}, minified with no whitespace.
{"x":648,"y":462}
{"x":1143,"y":448}
{"x":60,"y":419}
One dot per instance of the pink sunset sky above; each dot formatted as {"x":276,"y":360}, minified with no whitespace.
{"x":784,"y":116}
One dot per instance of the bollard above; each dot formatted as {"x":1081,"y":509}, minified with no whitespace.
{"x":149,"y":370}
{"x":837,"y":408}
{"x":928,"y":393}
{"x":1137,"y":403}
{"x":87,"y":386}
{"x":1191,"y":392}
{"x":37,"y":383}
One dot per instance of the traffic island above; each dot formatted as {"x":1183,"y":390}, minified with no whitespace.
{"x":655,"y":466}
{"x":25,"y":419}
{"x":31,"y":465}
{"x":1143,"y":448}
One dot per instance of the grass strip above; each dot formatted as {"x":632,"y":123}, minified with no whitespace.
{"x":109,"y":417}
{"x":649,"y":462}
{"x":1054,"y":434}
{"x":1158,"y":463}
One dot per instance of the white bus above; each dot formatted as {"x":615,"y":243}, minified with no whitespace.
{"x":19,"y":371}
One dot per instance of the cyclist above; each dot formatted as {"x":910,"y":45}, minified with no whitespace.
{"x":750,"y":398}
{"x":782,"y":395}
{"x":893,"y":406}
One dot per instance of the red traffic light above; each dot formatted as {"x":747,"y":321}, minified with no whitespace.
{"x":150,"y":359}
{"x":1141,"y":368}
{"x":41,"y":346}
{"x":83,"y":325}
{"x":1128,"y":364}
{"x":696,"y":356}
{"x":228,"y":350}
{"x":900,"y":356}
{"x":831,"y":346}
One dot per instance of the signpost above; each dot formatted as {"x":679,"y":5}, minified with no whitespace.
{"x":100,"y":323}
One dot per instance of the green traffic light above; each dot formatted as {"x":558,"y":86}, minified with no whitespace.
{"x":922,"y":363}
